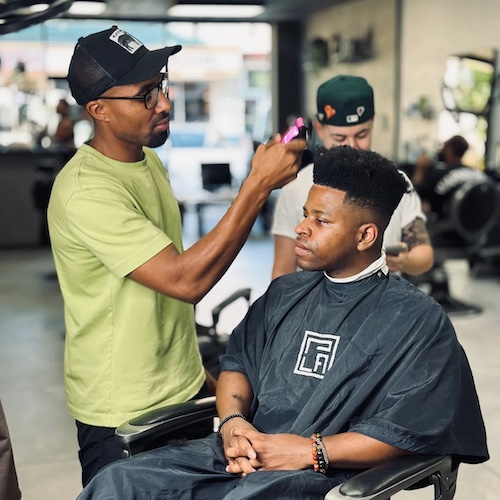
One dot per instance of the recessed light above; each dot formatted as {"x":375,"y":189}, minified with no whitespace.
{"x":217,"y":11}
{"x":82,"y":8}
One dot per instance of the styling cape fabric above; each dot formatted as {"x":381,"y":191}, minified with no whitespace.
{"x":376,"y":356}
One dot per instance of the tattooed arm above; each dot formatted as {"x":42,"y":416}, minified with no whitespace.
{"x":419,"y":257}
{"x":234,"y":396}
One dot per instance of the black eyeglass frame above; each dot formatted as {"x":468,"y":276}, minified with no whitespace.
{"x":162,"y":85}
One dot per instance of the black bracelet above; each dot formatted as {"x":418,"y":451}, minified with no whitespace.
{"x":225,"y":419}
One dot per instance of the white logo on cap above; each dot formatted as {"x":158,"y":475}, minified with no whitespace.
{"x":125,"y":40}
{"x":352,"y":118}
{"x":360,"y":110}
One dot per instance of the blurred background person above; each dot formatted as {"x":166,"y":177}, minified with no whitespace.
{"x":64,"y":134}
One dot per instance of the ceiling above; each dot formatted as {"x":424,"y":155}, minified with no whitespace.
{"x":275,"y":10}
{"x":17,"y":14}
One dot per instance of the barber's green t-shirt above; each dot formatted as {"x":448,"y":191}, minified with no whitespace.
{"x":128,"y":348}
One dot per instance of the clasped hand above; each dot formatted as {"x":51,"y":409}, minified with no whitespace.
{"x":248,"y":450}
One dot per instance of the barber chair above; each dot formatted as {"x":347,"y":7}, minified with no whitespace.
{"x":378,"y":483}
{"x":211,"y":343}
{"x":461,"y":234}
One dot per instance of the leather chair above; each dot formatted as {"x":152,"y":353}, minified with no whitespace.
{"x":211,"y":343}
{"x":470,"y":213}
{"x":378,"y":483}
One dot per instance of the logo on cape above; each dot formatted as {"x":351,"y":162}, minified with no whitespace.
{"x":316,"y":355}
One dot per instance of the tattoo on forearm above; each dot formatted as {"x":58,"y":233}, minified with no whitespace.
{"x":415,"y":233}
{"x":238,"y":397}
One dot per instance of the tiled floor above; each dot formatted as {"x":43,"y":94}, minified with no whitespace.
{"x":31,"y":357}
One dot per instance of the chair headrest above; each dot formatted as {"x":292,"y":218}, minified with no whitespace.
{"x":474,"y":207}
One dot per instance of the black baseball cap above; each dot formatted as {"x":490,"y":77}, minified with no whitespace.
{"x":345,"y":100}
{"x":110,"y":58}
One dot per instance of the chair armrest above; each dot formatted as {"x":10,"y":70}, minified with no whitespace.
{"x":383,"y":481}
{"x":135,"y":434}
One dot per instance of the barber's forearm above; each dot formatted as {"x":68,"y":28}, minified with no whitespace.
{"x":420,"y":259}
{"x":190,"y":275}
{"x":357,"y":451}
{"x":285,"y":260}
{"x":204,"y":263}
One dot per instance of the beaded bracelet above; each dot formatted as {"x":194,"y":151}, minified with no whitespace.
{"x":320,"y":456}
{"x":225,"y":419}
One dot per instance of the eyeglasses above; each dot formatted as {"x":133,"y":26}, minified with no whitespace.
{"x":150,"y":98}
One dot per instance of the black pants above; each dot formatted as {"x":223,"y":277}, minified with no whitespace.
{"x":99,"y":447}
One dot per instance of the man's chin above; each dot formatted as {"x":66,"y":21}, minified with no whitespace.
{"x":305,"y":266}
{"x":158,"y":139}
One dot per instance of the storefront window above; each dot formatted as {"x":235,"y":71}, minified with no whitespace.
{"x":210,"y":81}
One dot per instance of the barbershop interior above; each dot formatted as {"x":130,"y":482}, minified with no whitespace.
{"x":247,"y":69}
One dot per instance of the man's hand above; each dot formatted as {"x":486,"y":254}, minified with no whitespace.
{"x":275,"y":164}
{"x":238,"y":449}
{"x":397,"y":262}
{"x":249,"y":450}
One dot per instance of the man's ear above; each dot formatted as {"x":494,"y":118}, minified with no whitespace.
{"x":318,"y":127}
{"x":367,"y":236}
{"x":96,"y":111}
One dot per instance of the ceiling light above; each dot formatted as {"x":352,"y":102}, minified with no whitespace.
{"x":40,"y":7}
{"x":82,"y":8}
{"x":216,"y":11}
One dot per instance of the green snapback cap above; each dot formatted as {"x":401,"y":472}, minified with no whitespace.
{"x":345,"y":100}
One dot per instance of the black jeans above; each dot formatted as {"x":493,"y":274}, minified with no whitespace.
{"x":99,"y":447}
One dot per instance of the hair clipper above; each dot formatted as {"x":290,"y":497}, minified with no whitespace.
{"x":297,"y":131}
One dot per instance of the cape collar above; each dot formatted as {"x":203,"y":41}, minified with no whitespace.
{"x":374,"y":267}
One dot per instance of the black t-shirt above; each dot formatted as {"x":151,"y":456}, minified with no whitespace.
{"x":441,"y":183}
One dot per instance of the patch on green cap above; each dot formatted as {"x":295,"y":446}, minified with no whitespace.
{"x":345,"y":100}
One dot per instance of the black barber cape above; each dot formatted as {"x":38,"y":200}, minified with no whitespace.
{"x":377,"y":356}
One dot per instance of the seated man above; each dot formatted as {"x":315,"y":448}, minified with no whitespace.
{"x":334,"y":369}
{"x":436,"y":184}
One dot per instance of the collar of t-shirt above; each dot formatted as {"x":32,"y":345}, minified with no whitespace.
{"x":374,"y":267}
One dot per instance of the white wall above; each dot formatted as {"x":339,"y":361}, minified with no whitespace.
{"x":430,"y":31}
{"x":353,"y":19}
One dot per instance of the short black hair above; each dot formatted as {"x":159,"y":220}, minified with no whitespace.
{"x":368,"y":179}
{"x":458,"y":145}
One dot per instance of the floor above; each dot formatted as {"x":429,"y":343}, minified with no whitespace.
{"x":31,"y":356}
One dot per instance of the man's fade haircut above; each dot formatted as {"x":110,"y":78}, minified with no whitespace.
{"x":369,"y":180}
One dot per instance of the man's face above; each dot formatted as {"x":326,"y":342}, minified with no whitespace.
{"x":356,"y":136}
{"x":328,"y":236}
{"x":132,"y":122}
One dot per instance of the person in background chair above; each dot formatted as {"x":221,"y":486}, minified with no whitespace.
{"x":334,"y":369}
{"x":436,"y":182}
{"x":346,"y":113}
{"x":115,"y":230}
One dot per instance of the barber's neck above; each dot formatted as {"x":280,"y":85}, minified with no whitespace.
{"x":110,"y":146}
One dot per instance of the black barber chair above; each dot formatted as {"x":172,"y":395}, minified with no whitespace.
{"x":211,"y":343}
{"x":470,"y":213}
{"x":378,"y":483}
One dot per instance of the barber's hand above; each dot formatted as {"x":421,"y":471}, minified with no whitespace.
{"x":275,"y":164}
{"x":397,"y":263}
{"x":272,"y":451}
